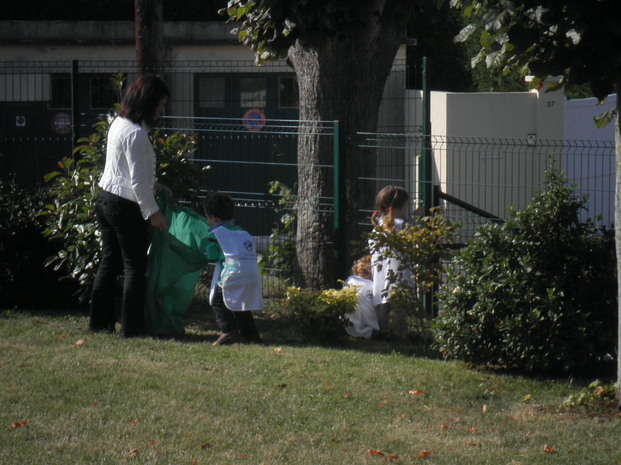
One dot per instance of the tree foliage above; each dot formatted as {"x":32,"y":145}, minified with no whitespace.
{"x":576,"y":39}
{"x":271,"y":27}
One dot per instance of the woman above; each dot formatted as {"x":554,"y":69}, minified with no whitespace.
{"x":126,"y":206}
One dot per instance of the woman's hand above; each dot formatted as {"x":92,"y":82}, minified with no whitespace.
{"x":158,"y":221}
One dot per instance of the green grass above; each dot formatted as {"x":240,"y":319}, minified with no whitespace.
{"x":186,"y":402}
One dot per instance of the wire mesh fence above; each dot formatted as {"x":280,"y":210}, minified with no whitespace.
{"x":44,"y":106}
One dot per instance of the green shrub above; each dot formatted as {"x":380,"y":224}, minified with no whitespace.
{"x":319,"y":316}
{"x":280,"y":255}
{"x":537,"y":293}
{"x":597,"y":395}
{"x":70,"y":216}
{"x":23,"y":251}
{"x":422,"y":250}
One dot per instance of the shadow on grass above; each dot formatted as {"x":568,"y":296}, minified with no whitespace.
{"x":201,"y":326}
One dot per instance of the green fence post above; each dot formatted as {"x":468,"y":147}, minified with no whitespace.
{"x":425,"y":171}
{"x":339,"y":243}
{"x":75,"y":102}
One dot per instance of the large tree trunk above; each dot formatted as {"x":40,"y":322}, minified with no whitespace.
{"x":340,"y":78}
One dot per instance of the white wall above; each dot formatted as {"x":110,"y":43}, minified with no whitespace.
{"x":491,"y":149}
{"x":594,"y":171}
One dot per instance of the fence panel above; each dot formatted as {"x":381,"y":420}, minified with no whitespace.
{"x":243,"y":163}
{"x":477,"y":180}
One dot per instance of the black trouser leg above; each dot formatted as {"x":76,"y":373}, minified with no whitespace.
{"x":124,"y":248}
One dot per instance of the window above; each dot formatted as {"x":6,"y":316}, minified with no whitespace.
{"x":288,"y":96}
{"x":252,"y":93}
{"x":211,"y":92}
{"x":102,"y":93}
{"x":60,"y":91}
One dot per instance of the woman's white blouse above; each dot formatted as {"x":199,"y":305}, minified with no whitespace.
{"x":130,"y":165}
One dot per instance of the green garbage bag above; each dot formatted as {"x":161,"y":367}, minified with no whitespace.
{"x":175,"y":262}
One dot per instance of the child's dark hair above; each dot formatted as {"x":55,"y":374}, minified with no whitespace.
{"x":220,"y":205}
{"x":388,"y":198}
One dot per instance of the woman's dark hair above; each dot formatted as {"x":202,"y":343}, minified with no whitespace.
{"x":142,"y":99}
{"x":219,"y":205}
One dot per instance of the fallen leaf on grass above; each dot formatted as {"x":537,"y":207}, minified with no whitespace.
{"x":134,"y":421}
{"x":445,"y":426}
{"x":347,"y":395}
{"x":63,"y":335}
{"x":390,"y":458}
{"x":473,"y":430}
{"x":80,"y":343}
{"x":375,"y":452}
{"x":19,"y":424}
{"x":382,"y":403}
{"x":547,"y":449}
{"x":282,"y":386}
{"x":423,"y":454}
{"x":417,"y":392}
{"x":204,"y":445}
{"x":194,"y":462}
{"x":133,"y":453}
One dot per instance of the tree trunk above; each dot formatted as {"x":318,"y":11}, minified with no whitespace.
{"x":339,"y":79}
{"x":618,"y":233}
{"x":150,"y":48}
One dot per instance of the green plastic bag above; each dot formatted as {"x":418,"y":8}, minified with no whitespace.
{"x":176,"y":260}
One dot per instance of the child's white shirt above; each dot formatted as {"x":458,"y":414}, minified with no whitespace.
{"x":364,"y":318}
{"x":380,"y":269}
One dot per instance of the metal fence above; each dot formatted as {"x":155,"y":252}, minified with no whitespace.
{"x":478,"y":180}
{"x":44,"y":107}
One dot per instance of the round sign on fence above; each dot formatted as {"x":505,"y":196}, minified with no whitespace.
{"x":61,"y":123}
{"x":254,"y":120}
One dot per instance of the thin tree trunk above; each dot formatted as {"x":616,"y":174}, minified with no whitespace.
{"x":618,"y":233}
{"x":150,"y":48}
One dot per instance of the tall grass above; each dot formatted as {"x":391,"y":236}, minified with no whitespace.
{"x":69,"y":397}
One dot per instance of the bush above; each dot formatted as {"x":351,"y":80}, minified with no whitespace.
{"x":422,"y":250}
{"x":23,"y":251}
{"x":280,"y":255}
{"x":319,"y":316}
{"x":536,"y":294}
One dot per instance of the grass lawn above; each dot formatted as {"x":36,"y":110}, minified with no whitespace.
{"x":69,"y":397}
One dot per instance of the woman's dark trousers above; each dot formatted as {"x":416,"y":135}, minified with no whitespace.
{"x":124,"y":237}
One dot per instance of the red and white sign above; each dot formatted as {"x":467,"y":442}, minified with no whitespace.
{"x":254,"y":120}
{"x":61,"y":123}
